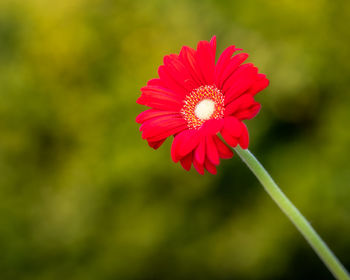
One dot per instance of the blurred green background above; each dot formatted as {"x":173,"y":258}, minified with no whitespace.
{"x":82,"y":196}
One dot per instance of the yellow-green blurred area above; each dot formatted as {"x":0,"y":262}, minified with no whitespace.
{"x":82,"y":196}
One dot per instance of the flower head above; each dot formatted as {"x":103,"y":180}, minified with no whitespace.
{"x":195,"y":98}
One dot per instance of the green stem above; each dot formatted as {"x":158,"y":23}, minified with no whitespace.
{"x":320,"y":247}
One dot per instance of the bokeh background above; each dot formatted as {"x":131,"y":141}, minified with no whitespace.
{"x":82,"y":196}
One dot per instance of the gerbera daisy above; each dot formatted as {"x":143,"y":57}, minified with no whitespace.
{"x":195,"y":98}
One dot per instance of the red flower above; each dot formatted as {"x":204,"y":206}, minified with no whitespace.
{"x":195,"y":98}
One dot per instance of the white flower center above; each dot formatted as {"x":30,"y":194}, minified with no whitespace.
{"x":204,"y":109}
{"x":203,"y":104}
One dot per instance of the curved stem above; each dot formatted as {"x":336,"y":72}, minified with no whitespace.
{"x":320,"y":247}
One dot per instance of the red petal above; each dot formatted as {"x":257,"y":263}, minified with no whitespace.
{"x":244,"y":107}
{"x":167,"y":133}
{"x":232,"y":66}
{"x":224,"y":151}
{"x":236,"y":104}
{"x":239,"y":82}
{"x":153,"y":113}
{"x":151,"y":90}
{"x":244,"y":139}
{"x":212,"y":151}
{"x":210,"y":167}
{"x":199,"y":153}
{"x":199,"y":167}
{"x":233,"y":126}
{"x":184,"y":143}
{"x":211,"y":127}
{"x":232,"y":141}
{"x":205,"y":58}
{"x":187,"y":57}
{"x":258,"y":85}
{"x":179,"y":72}
{"x":186,"y":161}
{"x":248,"y":113}
{"x":223,"y":61}
{"x":156,"y":82}
{"x":157,"y":144}
{"x":231,"y":131}
{"x":170,"y":81}
{"x":159,"y":128}
{"x":159,"y":98}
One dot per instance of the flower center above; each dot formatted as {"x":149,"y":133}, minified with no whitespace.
{"x":202,"y":104}
{"x":204,"y":109}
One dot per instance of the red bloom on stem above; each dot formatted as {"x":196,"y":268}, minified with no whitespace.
{"x":195,"y":98}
